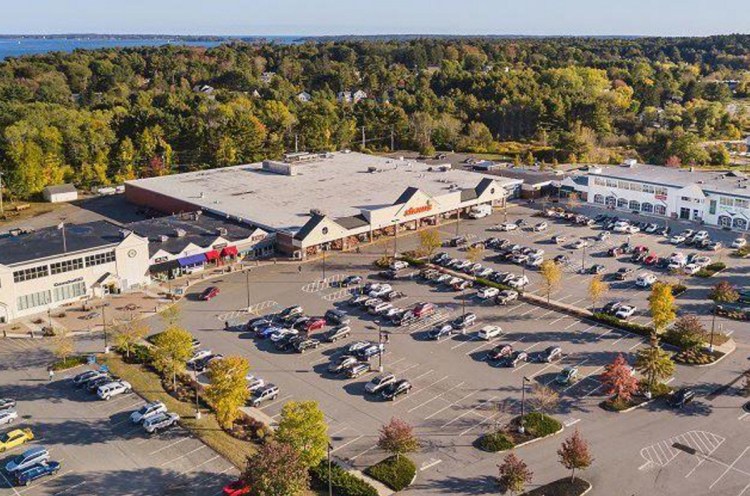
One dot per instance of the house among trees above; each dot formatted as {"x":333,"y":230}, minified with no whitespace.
{"x":344,"y":97}
{"x":60,"y":193}
{"x":358,"y":96}
{"x":304,"y":96}
{"x":204,"y":88}
{"x":266,"y":77}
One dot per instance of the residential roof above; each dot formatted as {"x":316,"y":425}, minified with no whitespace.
{"x":201,"y":230}
{"x":61,"y":188}
{"x":48,"y":242}
{"x":339,"y":185}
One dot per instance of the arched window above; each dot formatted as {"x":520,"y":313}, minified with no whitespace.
{"x":725,"y":221}
{"x":599,"y":199}
{"x":660,"y":209}
{"x":634,"y":205}
{"x":739,"y":223}
{"x":622,"y":203}
{"x":611,"y":201}
{"x":647,"y":207}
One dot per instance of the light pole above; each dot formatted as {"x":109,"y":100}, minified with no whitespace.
{"x":330,"y":484}
{"x":2,"y":211}
{"x":395,"y":237}
{"x":380,"y":351}
{"x":197,"y":407}
{"x":247,"y":288}
{"x":521,"y":427}
{"x":583,"y":259}
{"x":104,"y":327}
{"x":324,"y":263}
{"x":713,"y":326}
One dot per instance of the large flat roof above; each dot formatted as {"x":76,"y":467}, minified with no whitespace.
{"x":731,"y":183}
{"x":338,"y":186}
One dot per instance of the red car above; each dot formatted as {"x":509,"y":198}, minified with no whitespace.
{"x":640,"y":249}
{"x":423,"y":309}
{"x":209,"y":293}
{"x":314,"y":324}
{"x":236,"y":488}
{"x":651,"y":260}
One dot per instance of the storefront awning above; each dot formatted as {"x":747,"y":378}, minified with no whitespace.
{"x":164,"y":267}
{"x":229,"y":251}
{"x":212,"y":255}
{"x":192,"y":260}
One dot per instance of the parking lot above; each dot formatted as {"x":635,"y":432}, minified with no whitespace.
{"x":100,"y":450}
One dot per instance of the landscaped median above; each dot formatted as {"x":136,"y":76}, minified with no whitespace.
{"x":396,"y":472}
{"x":536,"y":426}
{"x":562,"y":487}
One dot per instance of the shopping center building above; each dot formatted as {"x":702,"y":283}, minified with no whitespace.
{"x":715,"y":198}
{"x":332,"y":201}
{"x":52,"y":267}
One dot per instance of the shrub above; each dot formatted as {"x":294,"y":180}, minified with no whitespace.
{"x":140,"y":354}
{"x":539,"y":425}
{"x":495,"y":441}
{"x":742,"y":252}
{"x":342,"y":482}
{"x":678,"y":289}
{"x":415,"y":262}
{"x":712,"y":269}
{"x":695,"y":357}
{"x":395,"y":472}
{"x":69,"y":362}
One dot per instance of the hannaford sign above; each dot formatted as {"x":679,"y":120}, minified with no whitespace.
{"x":418,"y":210}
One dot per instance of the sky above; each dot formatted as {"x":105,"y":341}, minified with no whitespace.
{"x":339,"y":17}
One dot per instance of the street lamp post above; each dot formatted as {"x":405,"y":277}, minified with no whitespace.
{"x":395,"y":237}
{"x":247,"y":287}
{"x":380,"y":352}
{"x":521,"y":427}
{"x":583,"y":259}
{"x":197,"y":407}
{"x":104,"y":327}
{"x":713,"y":326}
{"x":330,"y":484}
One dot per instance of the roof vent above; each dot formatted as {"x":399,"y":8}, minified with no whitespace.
{"x":180,"y":233}
{"x":372,"y":169}
{"x":124,"y":233}
{"x":222,"y":231}
{"x":317,"y":211}
{"x":163,"y":238}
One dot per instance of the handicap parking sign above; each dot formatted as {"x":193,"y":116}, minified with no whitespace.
{"x":104,"y":369}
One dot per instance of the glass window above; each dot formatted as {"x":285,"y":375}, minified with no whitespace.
{"x":66,"y":266}
{"x":622,"y":203}
{"x":712,"y":207}
{"x":69,"y":291}
{"x":740,"y":203}
{"x":599,"y":199}
{"x":726,"y":202}
{"x":100,"y":258}
{"x":660,"y":210}
{"x":34,"y":300}
{"x":634,"y":205}
{"x":31,"y":273}
{"x":647,"y":188}
{"x":635,"y":186}
{"x":725,"y":221}
{"x":611,"y":183}
{"x":647,"y":207}
{"x":739,"y":223}
{"x":660,"y":191}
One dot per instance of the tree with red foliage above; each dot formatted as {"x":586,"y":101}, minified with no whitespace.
{"x":276,"y":469}
{"x":673,"y":161}
{"x":618,"y":379}
{"x":574,"y":454}
{"x":397,"y":438}
{"x":514,"y":473}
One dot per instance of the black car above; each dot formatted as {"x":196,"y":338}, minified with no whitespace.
{"x":287,"y":342}
{"x":550,"y":354}
{"x":681,"y":398}
{"x":350,"y":281}
{"x":499,"y":352}
{"x":611,"y":307}
{"x":623,"y":273}
{"x":638,"y":256}
{"x":339,"y":332}
{"x":79,"y":380}
{"x":562,"y":259}
{"x":336,"y":317}
{"x":597,"y":269}
{"x":92,"y":386}
{"x":396,"y":389}
{"x":515,"y":358}
{"x":301,"y":346}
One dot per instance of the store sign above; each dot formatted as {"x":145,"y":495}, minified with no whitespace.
{"x":70,"y":281}
{"x":160,"y":260}
{"x":258,"y":237}
{"x":219,"y":246}
{"x":418,"y":210}
{"x":660,"y":197}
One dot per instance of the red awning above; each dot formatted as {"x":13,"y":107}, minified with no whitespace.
{"x":212,"y":255}
{"x":229,"y":251}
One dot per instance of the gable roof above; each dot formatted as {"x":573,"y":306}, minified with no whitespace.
{"x":61,"y":188}
{"x":309,"y":227}
{"x":407,"y":195}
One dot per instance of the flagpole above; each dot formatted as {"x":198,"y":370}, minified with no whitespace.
{"x":62,"y":228}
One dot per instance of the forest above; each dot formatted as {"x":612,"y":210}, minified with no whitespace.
{"x":105,"y":116}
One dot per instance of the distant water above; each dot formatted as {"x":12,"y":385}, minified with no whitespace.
{"x":15,"y":47}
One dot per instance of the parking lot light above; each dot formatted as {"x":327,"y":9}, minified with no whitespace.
{"x":330,"y":484}
{"x":521,"y":428}
{"x":380,"y":354}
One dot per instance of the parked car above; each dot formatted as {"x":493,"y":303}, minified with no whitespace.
{"x":352,"y":280}
{"x":651,"y":260}
{"x":681,"y":398}
{"x":515,"y":358}
{"x":269,"y":392}
{"x":506,"y":296}
{"x":677,"y":239}
{"x":714,"y":246}
{"x":93,"y":386}
{"x":112,"y":389}
{"x":146,"y":411}
{"x":645,"y":280}
{"x":379,"y":382}
{"x":304,"y":344}
{"x":370,"y":351}
{"x":290,"y":312}
{"x":254,"y":383}
{"x":739,"y":243}
{"x":209,"y":293}
{"x":396,"y":389}
{"x":357,"y":370}
{"x":84,"y":376}
{"x":27,"y":459}
{"x":283,"y":333}
{"x":518,"y":282}
{"x":499,"y":352}
{"x":339,"y":332}
{"x":559,"y":239}
{"x":29,"y":475}
{"x":541,"y":227}
{"x":441,"y":331}
{"x":463,"y":321}
{"x":314,"y":324}
{"x":507,"y":226}
{"x":487,"y":293}
{"x":623,"y":273}
{"x":624,"y":312}
{"x":489,"y":332}
{"x":548,"y":355}
{"x":342,"y":363}
{"x":597,"y":269}
{"x":161,"y":421}
{"x":566,"y":376}
{"x":424,"y":309}
{"x":8,"y":416}
{"x":236,"y":488}
{"x":337,"y":317}
{"x":16,"y":437}
{"x":581,"y":243}
{"x":561,"y":259}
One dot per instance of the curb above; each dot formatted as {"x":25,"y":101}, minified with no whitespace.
{"x":532,"y":441}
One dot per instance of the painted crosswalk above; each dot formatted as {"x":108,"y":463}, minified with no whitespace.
{"x":660,"y":454}
{"x":321,"y":284}
{"x":236,"y":316}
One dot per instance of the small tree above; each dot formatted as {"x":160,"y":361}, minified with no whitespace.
{"x":551,"y":276}
{"x":724,"y":292}
{"x":689,"y":332}
{"x":228,"y":389}
{"x":303,"y":426}
{"x":64,"y":346}
{"x":474,"y":253}
{"x":574,"y":454}
{"x":172,"y":349}
{"x":514,"y":473}
{"x":654,"y":363}
{"x":545,"y":399}
{"x":276,"y":469}
{"x":129,"y":334}
{"x":662,"y":307}
{"x":397,"y":438}
{"x":429,"y":241}
{"x":597,"y":289}
{"x":618,"y":379}
{"x":170,"y":316}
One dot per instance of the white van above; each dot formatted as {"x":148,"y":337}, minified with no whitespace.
{"x":479,"y":211}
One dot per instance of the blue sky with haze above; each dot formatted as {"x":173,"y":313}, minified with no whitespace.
{"x":313,"y":17}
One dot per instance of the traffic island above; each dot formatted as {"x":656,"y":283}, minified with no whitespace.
{"x":618,"y":405}
{"x":537,"y":426}
{"x":562,"y":487}
{"x":396,"y":472}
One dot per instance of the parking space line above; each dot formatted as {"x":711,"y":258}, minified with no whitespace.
{"x":420,"y":390}
{"x":364,"y":452}
{"x":202,"y":446}
{"x":41,"y":483}
{"x":481,"y":423}
{"x":408,"y":368}
{"x":730,"y":467}
{"x":486,"y":342}
{"x":199,"y":465}
{"x":275,"y":402}
{"x":8,"y":483}
{"x":424,"y":374}
{"x":450,"y":405}
{"x":169,"y":446}
{"x":427,"y":402}
{"x":347,"y":443}
{"x":473,"y":410}
{"x":463,"y":343}
{"x":69,"y":488}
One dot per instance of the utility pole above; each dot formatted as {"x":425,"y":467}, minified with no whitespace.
{"x":296,"y":143}
{"x":583,"y":259}
{"x":2,"y":211}
{"x":104,"y":327}
{"x":380,"y":351}
{"x":363,"y":137}
{"x":330,"y":483}
{"x":522,"y":428}
{"x":247,"y":287}
{"x":393,"y":143}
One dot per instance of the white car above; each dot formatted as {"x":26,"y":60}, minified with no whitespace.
{"x":559,"y":239}
{"x":399,"y":265}
{"x":621,"y":226}
{"x":645,"y":280}
{"x":443,"y":278}
{"x":625,"y":312}
{"x":489,"y":332}
{"x":632,"y":230}
{"x":484,"y":272}
{"x":676,"y":266}
{"x":199,"y":355}
{"x":739,"y":243}
{"x":462,"y":265}
{"x":381,"y":290}
{"x":535,"y":262}
{"x":283,"y":333}
{"x":161,"y":421}
{"x":8,"y":417}
{"x":581,"y":243}
{"x":507,"y":226}
{"x":677,"y":239}
{"x":254,"y":383}
{"x":112,"y":389}
{"x":702,"y":261}
{"x":487,"y":293}
{"x":147,"y":411}
{"x":541,"y":226}
{"x":691,"y":269}
{"x":518,"y":282}
{"x":700,"y":236}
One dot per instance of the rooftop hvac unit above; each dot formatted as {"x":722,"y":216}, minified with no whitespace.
{"x":317,"y":211}
{"x":180,"y":233}
{"x":372,"y":169}
{"x":163,"y":238}
{"x":124,"y":233}
{"x":222,"y":231}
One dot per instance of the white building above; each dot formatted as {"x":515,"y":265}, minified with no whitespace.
{"x":358,"y":96}
{"x":344,"y":97}
{"x":60,"y":193}
{"x":45,"y":269}
{"x":716,"y":198}
{"x":304,"y":96}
